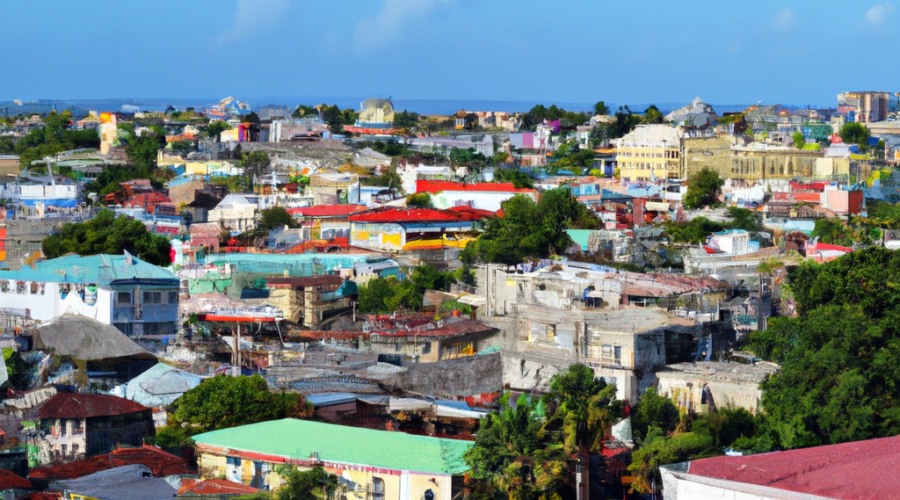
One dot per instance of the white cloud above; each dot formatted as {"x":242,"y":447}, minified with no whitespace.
{"x":388,"y":25}
{"x":785,"y":19}
{"x":253,"y":17}
{"x":879,"y":13}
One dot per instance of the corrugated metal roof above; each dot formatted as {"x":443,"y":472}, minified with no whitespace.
{"x":328,"y":399}
{"x":99,"y":269}
{"x":299,"y":439}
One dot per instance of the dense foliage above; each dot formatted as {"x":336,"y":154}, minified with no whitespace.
{"x":519,"y":179}
{"x":106,"y":233}
{"x":405,"y":119}
{"x":855,"y":133}
{"x":839,"y":369}
{"x":222,"y":402}
{"x":256,"y":164}
{"x":696,"y":230}
{"x":703,"y":189}
{"x":385,"y":295}
{"x":52,"y":139}
{"x":525,"y":452}
{"x":107,"y":181}
{"x":420,"y":200}
{"x":312,"y":484}
{"x":530,"y":230}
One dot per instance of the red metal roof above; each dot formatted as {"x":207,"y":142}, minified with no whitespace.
{"x":214,"y":487}
{"x":9,"y":479}
{"x":327,"y":210}
{"x":71,"y":405}
{"x":159,"y":462}
{"x":476,"y":211}
{"x":848,"y":471}
{"x":428,"y":186}
{"x":417,"y":215}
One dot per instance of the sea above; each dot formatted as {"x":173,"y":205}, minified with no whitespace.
{"x":421,"y":106}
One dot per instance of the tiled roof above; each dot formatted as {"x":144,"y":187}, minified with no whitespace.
{"x":327,"y":210}
{"x":9,"y":479}
{"x":72,"y":405}
{"x":416,"y":215}
{"x":214,"y":487}
{"x":291,"y":439}
{"x":161,"y":463}
{"x":848,"y":471}
{"x":429,"y":186}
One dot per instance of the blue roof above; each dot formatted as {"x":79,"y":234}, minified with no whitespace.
{"x":99,"y":269}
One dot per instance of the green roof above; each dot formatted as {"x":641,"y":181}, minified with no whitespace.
{"x":298,"y":439}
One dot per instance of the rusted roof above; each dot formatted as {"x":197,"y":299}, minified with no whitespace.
{"x":214,"y":487}
{"x":327,"y":210}
{"x":324,"y":280}
{"x":9,"y":479}
{"x":160,"y":462}
{"x":847,"y":471}
{"x":71,"y":405}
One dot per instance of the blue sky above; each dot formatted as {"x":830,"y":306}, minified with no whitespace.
{"x":636,"y":51}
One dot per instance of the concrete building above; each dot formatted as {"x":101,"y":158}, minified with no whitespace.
{"x":840,"y":471}
{"x":120,"y":290}
{"x":649,"y":151}
{"x":311,"y":300}
{"x":372,"y":464}
{"x":695,"y":114}
{"x":868,"y":106}
{"x":375,"y":112}
{"x":415,"y":229}
{"x":236,"y":212}
{"x":705,"y":385}
{"x":449,"y":341}
{"x":482,"y":196}
{"x":334,"y":189}
{"x":72,"y":426}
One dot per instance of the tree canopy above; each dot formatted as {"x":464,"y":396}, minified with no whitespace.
{"x":222,"y":402}
{"x":312,"y":484}
{"x":838,"y":357}
{"x":106,"y":233}
{"x":52,"y":139}
{"x":855,"y":133}
{"x":530,"y":230}
{"x":406,"y":119}
{"x":703,"y":189}
{"x":256,"y":164}
{"x":390,"y":294}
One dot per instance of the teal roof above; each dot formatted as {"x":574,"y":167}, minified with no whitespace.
{"x":99,"y":269}
{"x":580,"y":236}
{"x":298,"y":439}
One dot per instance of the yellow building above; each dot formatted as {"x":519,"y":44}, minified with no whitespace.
{"x":373,"y":464}
{"x":755,"y":161}
{"x":649,"y":151}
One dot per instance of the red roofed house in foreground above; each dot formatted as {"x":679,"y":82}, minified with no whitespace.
{"x":72,"y":426}
{"x":160,"y":462}
{"x":10,"y":481}
{"x":482,"y":195}
{"x":862,"y":470}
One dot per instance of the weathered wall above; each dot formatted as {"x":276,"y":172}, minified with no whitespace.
{"x":468,"y":376}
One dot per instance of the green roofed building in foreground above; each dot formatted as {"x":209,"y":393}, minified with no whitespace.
{"x":371,"y":463}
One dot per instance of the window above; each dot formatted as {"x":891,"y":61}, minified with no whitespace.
{"x":426,"y":348}
{"x":74,"y":449}
{"x":152,"y":297}
{"x":64,"y":449}
{"x":235,"y":461}
{"x":62,"y":427}
{"x":617,"y":355}
{"x":173,"y":297}
{"x":123,"y":298}
{"x":377,"y":488}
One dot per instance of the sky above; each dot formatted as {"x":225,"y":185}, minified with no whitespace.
{"x":661,"y":51}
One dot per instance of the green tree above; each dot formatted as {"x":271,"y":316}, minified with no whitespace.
{"x":855,"y":133}
{"x":703,"y":189}
{"x":600,"y":108}
{"x":389,"y":294}
{"x":223,"y":402}
{"x":108,"y":234}
{"x":653,"y":115}
{"x":406,"y":119}
{"x":799,"y":140}
{"x":349,"y":116}
{"x":141,"y":150}
{"x":519,"y":179}
{"x":333,"y":117}
{"x":530,"y":230}
{"x":582,"y":406}
{"x":215,"y":128}
{"x":304,"y":111}
{"x":654,"y":411}
{"x":255,"y":164}
{"x":312,"y":484}
{"x":421,"y":200}
{"x":838,"y":375}
{"x":275,"y":217}
{"x":186,"y":146}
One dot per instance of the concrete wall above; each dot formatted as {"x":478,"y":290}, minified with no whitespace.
{"x":47,"y":304}
{"x":680,"y":485}
{"x":468,"y":376}
{"x":686,"y":392}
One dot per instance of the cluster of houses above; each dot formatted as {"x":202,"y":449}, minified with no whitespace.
{"x":106,"y":344}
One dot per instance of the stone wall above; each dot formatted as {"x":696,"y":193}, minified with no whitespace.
{"x":469,"y":376}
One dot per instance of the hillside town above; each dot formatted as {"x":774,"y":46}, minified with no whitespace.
{"x":376,"y":304}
